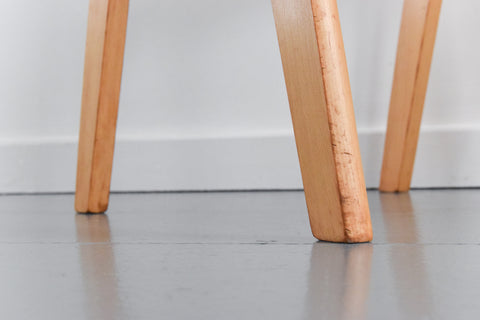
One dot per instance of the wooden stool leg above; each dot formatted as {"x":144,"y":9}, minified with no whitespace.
{"x":321,"y":104}
{"x":102,"y":77}
{"x":414,"y":55}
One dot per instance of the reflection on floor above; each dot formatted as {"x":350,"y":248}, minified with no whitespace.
{"x":237,"y":256}
{"x":97,"y":263}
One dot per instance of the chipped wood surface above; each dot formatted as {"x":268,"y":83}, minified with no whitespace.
{"x":321,"y":104}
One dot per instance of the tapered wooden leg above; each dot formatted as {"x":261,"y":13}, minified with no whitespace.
{"x":101,"y":89}
{"x":414,"y":55}
{"x":321,"y":104}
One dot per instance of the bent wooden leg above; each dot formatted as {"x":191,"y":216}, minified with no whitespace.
{"x":101,"y":89}
{"x":414,"y":55}
{"x":321,"y":104}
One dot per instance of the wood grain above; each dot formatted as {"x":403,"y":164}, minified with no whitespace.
{"x":101,"y":90}
{"x":414,"y":56}
{"x":321,"y":105}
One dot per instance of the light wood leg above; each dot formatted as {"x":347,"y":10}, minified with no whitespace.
{"x":101,"y":89}
{"x":414,"y":55}
{"x":321,"y":104}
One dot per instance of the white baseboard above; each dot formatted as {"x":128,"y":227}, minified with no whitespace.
{"x":447,"y":157}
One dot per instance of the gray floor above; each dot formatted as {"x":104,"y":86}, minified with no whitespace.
{"x":237,"y":256}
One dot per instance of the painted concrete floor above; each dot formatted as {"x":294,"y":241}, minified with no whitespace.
{"x":237,"y":256}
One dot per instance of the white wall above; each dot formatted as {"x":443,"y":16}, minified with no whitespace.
{"x":203,"y":104}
